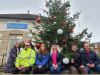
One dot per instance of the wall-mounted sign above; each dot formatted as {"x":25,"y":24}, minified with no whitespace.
{"x":17,"y":26}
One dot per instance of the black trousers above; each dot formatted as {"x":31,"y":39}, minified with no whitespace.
{"x":24,"y":71}
{"x":41,"y":70}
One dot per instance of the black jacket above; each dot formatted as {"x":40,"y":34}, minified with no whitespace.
{"x":76,"y":58}
{"x":89,"y":58}
{"x":11,"y":60}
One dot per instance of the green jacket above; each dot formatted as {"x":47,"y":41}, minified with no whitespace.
{"x":25,"y":58}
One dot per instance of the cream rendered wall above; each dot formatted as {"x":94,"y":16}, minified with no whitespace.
{"x":3,"y":24}
{"x":4,"y":33}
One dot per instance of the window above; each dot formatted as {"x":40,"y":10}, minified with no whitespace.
{"x":17,"y":26}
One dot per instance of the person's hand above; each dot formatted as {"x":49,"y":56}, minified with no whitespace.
{"x":39,"y":66}
{"x":82,"y":66}
{"x":90,"y":65}
{"x":55,"y":66}
{"x":20,"y":68}
{"x":72,"y":61}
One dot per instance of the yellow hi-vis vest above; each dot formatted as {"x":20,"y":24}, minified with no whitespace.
{"x":25,"y":58}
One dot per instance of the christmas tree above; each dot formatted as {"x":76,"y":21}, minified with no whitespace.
{"x":57,"y":26}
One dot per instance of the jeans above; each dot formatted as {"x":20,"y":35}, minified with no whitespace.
{"x":55,"y":71}
{"x":88,"y":70}
{"x":97,"y":68}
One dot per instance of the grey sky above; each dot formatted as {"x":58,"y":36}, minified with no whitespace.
{"x":89,"y":18}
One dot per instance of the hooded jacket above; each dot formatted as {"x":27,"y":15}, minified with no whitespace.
{"x":25,"y":58}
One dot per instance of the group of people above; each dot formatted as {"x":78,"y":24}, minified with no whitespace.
{"x":27,"y":60}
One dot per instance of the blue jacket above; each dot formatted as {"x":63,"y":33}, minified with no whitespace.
{"x":89,"y":58}
{"x":42,"y":59}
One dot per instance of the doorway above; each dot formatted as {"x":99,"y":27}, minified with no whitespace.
{"x":13,"y":38}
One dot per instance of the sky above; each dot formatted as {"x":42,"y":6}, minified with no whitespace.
{"x":89,"y":17}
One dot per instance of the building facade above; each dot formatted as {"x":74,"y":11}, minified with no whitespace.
{"x":13,"y":27}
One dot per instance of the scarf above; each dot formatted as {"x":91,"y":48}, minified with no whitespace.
{"x":54,"y":56}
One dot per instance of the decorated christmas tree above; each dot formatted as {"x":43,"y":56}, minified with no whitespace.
{"x":58,"y":26}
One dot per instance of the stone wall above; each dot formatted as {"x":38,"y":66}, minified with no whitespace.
{"x":4,"y":42}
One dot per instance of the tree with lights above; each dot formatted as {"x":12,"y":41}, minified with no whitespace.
{"x":57,"y":26}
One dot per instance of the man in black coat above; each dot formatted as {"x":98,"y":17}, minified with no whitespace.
{"x":10,"y":65}
{"x":89,"y":60}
